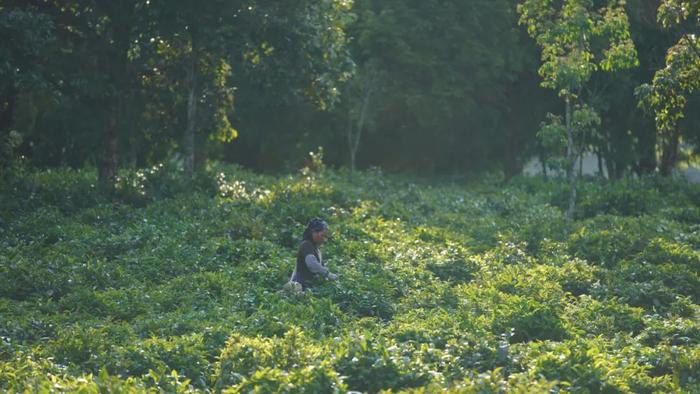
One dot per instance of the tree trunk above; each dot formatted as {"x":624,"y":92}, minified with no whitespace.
{"x":350,"y":140}
{"x":107,"y":170}
{"x":7,"y":109}
{"x":510,"y":164}
{"x":116,"y":63}
{"x":610,"y":164}
{"x":669,"y":153}
{"x":354,"y":138}
{"x":580,"y":165}
{"x":571,"y":156}
{"x":201,"y":152}
{"x":646,"y":163}
{"x":189,"y":137}
{"x":607,"y":158}
{"x":543,"y":163}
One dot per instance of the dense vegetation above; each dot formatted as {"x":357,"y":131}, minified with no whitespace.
{"x":447,"y":283}
{"x":151,"y":202}
{"x":435,"y":87}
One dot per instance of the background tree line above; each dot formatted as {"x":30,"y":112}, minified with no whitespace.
{"x":429,"y":86}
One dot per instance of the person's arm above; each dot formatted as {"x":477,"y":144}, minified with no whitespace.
{"x":315,"y":267}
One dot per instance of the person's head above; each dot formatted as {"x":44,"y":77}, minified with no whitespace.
{"x":316,"y":231}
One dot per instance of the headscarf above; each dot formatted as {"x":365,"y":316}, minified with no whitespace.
{"x":315,"y":225}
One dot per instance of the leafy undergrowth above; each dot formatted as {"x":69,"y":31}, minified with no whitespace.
{"x":161,"y":285}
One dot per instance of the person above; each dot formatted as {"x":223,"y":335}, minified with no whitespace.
{"x":309,"y":262}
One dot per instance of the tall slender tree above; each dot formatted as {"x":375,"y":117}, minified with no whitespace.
{"x":577,"y":38}
{"x":358,"y":97}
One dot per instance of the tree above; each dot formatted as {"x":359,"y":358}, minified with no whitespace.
{"x":221,"y":47}
{"x":88,"y":73}
{"x":359,"y":94}
{"x":27,"y":33}
{"x":577,"y":38}
{"x":445,"y":74}
{"x":186,"y":44}
{"x":672,"y":85}
{"x":553,"y":134}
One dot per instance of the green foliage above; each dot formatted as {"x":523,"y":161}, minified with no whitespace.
{"x":220,"y":70}
{"x":577,"y":39}
{"x":311,"y":379}
{"x":141,"y":186}
{"x":255,"y":362}
{"x":584,"y":124}
{"x":8,"y":145}
{"x":314,"y":164}
{"x":372,"y":364}
{"x":671,"y":86}
{"x":450,"y":287}
{"x":588,"y":316}
{"x":604,"y":371}
{"x":28,"y":37}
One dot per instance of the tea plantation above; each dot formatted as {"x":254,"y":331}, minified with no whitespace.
{"x":466,"y":286}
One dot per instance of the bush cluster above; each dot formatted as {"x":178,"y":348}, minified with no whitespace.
{"x":160,"y":284}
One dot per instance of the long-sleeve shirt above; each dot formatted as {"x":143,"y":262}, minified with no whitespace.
{"x":308,"y":264}
{"x":314,"y":265}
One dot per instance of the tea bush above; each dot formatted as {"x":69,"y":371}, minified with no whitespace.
{"x":160,"y":284}
{"x":243,"y":357}
{"x":591,"y":365}
{"x":311,"y":379}
{"x":372,"y":364}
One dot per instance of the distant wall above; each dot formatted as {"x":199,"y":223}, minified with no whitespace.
{"x":590,"y":167}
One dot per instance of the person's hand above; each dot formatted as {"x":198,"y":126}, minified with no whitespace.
{"x":332,"y":276}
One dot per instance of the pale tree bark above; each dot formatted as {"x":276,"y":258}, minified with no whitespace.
{"x":580,"y":164}
{"x":571,"y":157}
{"x":110,"y":153}
{"x":543,"y":163}
{"x":190,"y":129}
{"x":599,"y":157}
{"x":107,"y":170}
{"x":354,"y":134}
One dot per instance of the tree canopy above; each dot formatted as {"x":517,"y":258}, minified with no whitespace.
{"x":434,"y":87}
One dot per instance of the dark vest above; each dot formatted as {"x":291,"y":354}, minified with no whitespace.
{"x":303,"y":273}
